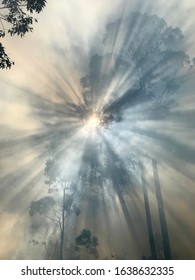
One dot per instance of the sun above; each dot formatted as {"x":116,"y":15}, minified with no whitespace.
{"x":92,"y":122}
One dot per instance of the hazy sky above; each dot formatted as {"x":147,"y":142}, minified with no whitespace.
{"x":48,"y":66}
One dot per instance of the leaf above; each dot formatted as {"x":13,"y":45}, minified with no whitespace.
{"x":84,"y":239}
{"x":41,"y":206}
{"x":2,"y":33}
{"x":5,"y":61}
{"x":35,"y":5}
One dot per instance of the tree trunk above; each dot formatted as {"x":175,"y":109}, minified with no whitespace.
{"x":163,"y":223}
{"x":148,"y":215}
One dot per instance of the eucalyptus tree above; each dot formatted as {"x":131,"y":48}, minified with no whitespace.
{"x":144,"y":62}
{"x":57,"y":206}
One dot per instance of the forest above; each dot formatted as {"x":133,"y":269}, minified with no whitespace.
{"x":97,"y":128}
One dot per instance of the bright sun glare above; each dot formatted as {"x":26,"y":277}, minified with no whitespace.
{"x":93,"y":122}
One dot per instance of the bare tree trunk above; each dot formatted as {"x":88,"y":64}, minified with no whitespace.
{"x":163,"y":223}
{"x":62,"y":227}
{"x":148,"y":215}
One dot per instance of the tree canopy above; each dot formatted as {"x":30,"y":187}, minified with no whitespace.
{"x":16,"y":18}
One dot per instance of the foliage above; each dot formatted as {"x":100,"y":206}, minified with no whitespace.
{"x":16,"y":19}
{"x":5,"y":61}
{"x":51,"y":172}
{"x":147,"y":59}
{"x":52,"y":208}
{"x":86,"y":241}
{"x":41,"y":206}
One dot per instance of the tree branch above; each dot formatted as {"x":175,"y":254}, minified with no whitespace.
{"x":51,"y":219}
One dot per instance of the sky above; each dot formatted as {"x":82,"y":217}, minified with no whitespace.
{"x":49,"y":64}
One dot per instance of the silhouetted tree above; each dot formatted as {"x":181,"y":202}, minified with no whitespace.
{"x":56,"y":208}
{"x":161,"y":210}
{"x":136,"y":67}
{"x":148,"y":214}
{"x":16,"y":19}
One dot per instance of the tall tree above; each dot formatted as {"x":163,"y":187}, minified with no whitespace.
{"x":16,"y":18}
{"x":161,"y":210}
{"x":56,"y":208}
{"x":148,"y":214}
